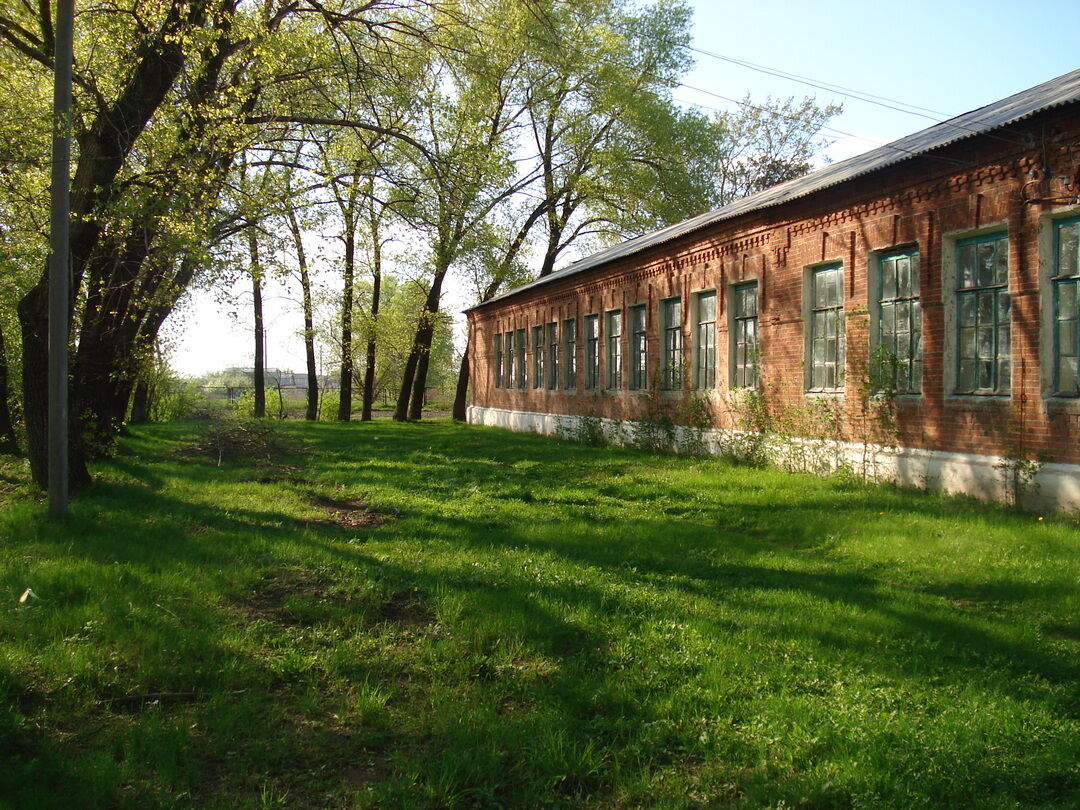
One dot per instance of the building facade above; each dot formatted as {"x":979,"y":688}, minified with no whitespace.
{"x":934,"y":280}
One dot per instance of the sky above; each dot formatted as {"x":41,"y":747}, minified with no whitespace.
{"x":947,"y":57}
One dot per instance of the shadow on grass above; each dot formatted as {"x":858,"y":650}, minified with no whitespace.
{"x":538,"y":565}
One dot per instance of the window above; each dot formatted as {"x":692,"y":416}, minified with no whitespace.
{"x":498,"y":360}
{"x":592,"y":351}
{"x":705,"y":340}
{"x":899,"y":319}
{"x":983,"y":315}
{"x":744,"y":316}
{"x":569,"y":334}
{"x":522,"y":377}
{"x":827,"y":328}
{"x":672,"y":359}
{"x":538,"y":356}
{"x":1065,"y":287}
{"x":614,"y":350}
{"x":553,"y":356}
{"x":638,"y":348}
{"x":508,"y":375}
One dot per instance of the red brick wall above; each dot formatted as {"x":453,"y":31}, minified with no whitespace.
{"x":977,"y":183}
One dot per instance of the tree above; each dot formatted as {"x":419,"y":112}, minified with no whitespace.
{"x":161,"y":117}
{"x":768,"y":143}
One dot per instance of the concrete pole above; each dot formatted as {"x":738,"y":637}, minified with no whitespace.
{"x":60,"y":261}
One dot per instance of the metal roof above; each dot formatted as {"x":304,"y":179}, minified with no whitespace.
{"x":1062,"y":90}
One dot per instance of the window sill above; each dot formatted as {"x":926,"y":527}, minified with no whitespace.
{"x":825,"y":393}
{"x":988,"y":401}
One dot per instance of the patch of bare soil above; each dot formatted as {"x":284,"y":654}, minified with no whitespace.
{"x":348,"y":513}
{"x":268,"y":598}
{"x":408,"y":608}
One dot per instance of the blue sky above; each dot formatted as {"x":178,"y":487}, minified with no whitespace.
{"x":950,"y":56}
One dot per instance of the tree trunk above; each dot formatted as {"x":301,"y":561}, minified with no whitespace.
{"x":461,"y":394}
{"x":369,"y":358}
{"x":312,"y":413}
{"x":410,"y":400}
{"x":140,"y":403}
{"x":349,"y":274}
{"x":460,"y":412}
{"x":260,"y":334}
{"x":8,"y":442}
{"x":34,"y":325}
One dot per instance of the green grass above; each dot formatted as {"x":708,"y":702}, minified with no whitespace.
{"x":512,"y":621}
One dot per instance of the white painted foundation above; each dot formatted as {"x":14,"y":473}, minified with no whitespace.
{"x":1056,"y":487}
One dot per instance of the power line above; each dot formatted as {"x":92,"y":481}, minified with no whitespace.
{"x":831,"y":130}
{"x":857,"y":95}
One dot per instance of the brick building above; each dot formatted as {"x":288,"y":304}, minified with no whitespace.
{"x":942,"y":269}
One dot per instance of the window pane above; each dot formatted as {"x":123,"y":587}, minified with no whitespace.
{"x":1067,"y":375}
{"x":903,"y":277}
{"x":888,"y":278}
{"x":707,"y":307}
{"x":987,"y":263}
{"x":967,"y":342}
{"x":1004,"y":376}
{"x":966,"y":260}
{"x":1068,"y":249}
{"x":1067,"y":299}
{"x":1066,"y":337}
{"x":1001,"y":275}
{"x":967,"y":309}
{"x":966,"y":381}
{"x":914,"y":262}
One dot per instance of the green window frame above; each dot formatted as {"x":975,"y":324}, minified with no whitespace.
{"x":983,"y":316}
{"x":899,"y":322}
{"x":827,"y":339}
{"x":614,"y":349}
{"x":569,"y":330}
{"x":672,"y":360}
{"x":705,"y":342}
{"x":538,"y":356}
{"x":744,"y":316}
{"x":1066,"y":293}
{"x":592,"y":351}
{"x":553,"y":355}
{"x":638,"y":348}
{"x":499,"y":360}
{"x":508,"y":375}
{"x":522,"y":364}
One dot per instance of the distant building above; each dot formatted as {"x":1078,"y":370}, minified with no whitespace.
{"x":942,"y":269}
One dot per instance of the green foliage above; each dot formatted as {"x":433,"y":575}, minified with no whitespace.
{"x":276,"y":404}
{"x":440,"y":615}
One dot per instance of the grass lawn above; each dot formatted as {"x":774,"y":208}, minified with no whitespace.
{"x":437,"y":615}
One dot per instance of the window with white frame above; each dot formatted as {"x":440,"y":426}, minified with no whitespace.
{"x":705,"y":340}
{"x":499,"y":360}
{"x":638,"y":348}
{"x":522,"y":375}
{"x":899,"y":323}
{"x":614,"y":349}
{"x":744,"y":328}
{"x":1066,"y":286}
{"x":983,"y":315}
{"x":827,"y":351}
{"x":671,"y":361}
{"x":592,"y":351}
{"x":553,"y":355}
{"x":538,"y":356}
{"x":569,"y":332}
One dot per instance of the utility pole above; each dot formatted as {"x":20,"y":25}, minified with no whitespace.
{"x":59,"y":260}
